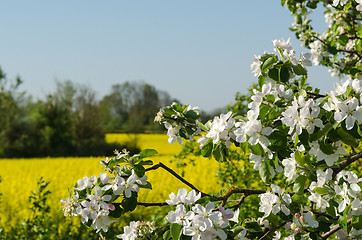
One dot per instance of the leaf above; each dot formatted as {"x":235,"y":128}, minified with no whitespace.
{"x":299,"y":184}
{"x":317,"y":135}
{"x":207,"y":149}
{"x":357,"y":222}
{"x":148,"y":153}
{"x":175,"y":231}
{"x":257,"y":149}
{"x":357,"y":44}
{"x":167,"y":235}
{"x":139,"y":170}
{"x":192,"y":114}
{"x":147,"y":186}
{"x":118,"y":211}
{"x":274,"y":74}
{"x":147,"y":162}
{"x":269,"y":62}
{"x":203,"y":127}
{"x":264,"y":172}
{"x":299,"y":70}
{"x":284,"y":74}
{"x":312,"y":4}
{"x":320,"y":190}
{"x":129,"y":204}
{"x":114,"y":162}
{"x":220,"y":152}
{"x":299,"y":158}
{"x":347,"y":138}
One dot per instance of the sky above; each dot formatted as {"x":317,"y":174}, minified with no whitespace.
{"x":198,"y":51}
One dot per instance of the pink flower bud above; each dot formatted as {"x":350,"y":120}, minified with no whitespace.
{"x":302,"y":218}
{"x":297,"y":215}
{"x":297,"y":229}
{"x":111,"y":207}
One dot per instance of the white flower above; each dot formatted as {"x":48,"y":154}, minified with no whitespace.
{"x":191,"y":197}
{"x":220,"y":128}
{"x":322,"y":178}
{"x":85,"y":183}
{"x":172,"y":132}
{"x":180,"y":216}
{"x":255,"y":66}
{"x":130,"y":232}
{"x":290,"y":167}
{"x":330,"y":159}
{"x":208,"y":216}
{"x":321,"y":203}
{"x":359,"y":6}
{"x":336,"y":2}
{"x":102,"y":221}
{"x":174,"y":200}
{"x":350,"y":111}
{"x":131,"y":185}
{"x":267,"y":200}
{"x":241,"y":235}
{"x":308,"y":218}
{"x":344,"y":192}
{"x":351,"y":178}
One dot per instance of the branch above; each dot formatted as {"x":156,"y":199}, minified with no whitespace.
{"x":334,"y":229}
{"x":152,"y":204}
{"x":342,"y":165}
{"x":272,"y":230}
{"x":161,"y":165}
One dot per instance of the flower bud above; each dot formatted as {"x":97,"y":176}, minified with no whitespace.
{"x":297,"y":229}
{"x":111,"y":207}
{"x":302,"y":218}
{"x":293,"y":226}
{"x":297,"y":215}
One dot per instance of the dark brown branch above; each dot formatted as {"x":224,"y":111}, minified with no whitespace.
{"x":161,"y":165}
{"x":272,"y":230}
{"x":152,"y":204}
{"x":342,"y":165}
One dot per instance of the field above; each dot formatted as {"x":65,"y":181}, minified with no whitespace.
{"x":19,"y":176}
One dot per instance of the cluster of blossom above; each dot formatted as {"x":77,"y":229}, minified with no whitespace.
{"x":173,"y":125}
{"x":137,"y":230}
{"x":198,"y":221}
{"x":272,"y":203}
{"x":93,"y":197}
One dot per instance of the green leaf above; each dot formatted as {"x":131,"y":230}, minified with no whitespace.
{"x":167,"y":235}
{"x":257,"y":149}
{"x":299,"y":70}
{"x":284,"y":74}
{"x":264,"y":172}
{"x":220,"y":152}
{"x":317,"y":135}
{"x":203,"y":127}
{"x":357,"y":222}
{"x":320,"y":190}
{"x":274,"y":74}
{"x":175,"y":231}
{"x":299,"y":184}
{"x":129,"y":204}
{"x":326,"y":148}
{"x":147,"y":162}
{"x":261,"y":80}
{"x":147,"y":186}
{"x":299,"y":158}
{"x":192,"y":114}
{"x":114,"y":162}
{"x":139,"y":170}
{"x":269,"y":62}
{"x":148,"y":153}
{"x":207,"y":149}
{"x":347,"y":138}
{"x":118,"y":211}
{"x":357,"y":44}
{"x":312,"y":4}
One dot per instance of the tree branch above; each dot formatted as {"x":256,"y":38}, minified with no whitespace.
{"x":342,"y":165}
{"x":272,"y":230}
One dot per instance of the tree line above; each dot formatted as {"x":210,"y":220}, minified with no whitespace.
{"x":72,"y":121}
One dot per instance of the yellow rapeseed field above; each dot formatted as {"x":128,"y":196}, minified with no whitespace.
{"x":19,"y":176}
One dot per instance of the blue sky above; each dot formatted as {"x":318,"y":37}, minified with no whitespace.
{"x":198,"y":51}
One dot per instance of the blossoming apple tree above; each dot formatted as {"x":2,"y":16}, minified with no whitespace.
{"x":305,"y":146}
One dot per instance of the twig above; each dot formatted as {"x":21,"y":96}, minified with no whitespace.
{"x":272,"y":230}
{"x":342,"y":165}
{"x":334,"y":229}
